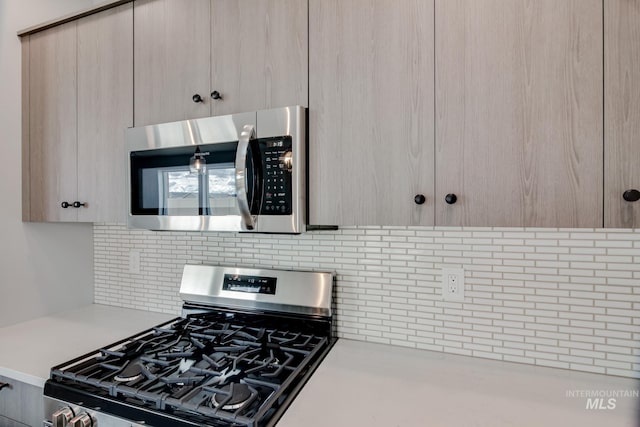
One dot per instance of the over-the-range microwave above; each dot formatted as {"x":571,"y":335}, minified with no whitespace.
{"x":241,"y":172}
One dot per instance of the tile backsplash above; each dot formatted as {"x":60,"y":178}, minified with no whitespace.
{"x":564,"y":298}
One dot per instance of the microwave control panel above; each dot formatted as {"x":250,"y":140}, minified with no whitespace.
{"x":277,"y":162}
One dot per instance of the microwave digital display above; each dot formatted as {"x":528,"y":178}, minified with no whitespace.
{"x":249,"y":284}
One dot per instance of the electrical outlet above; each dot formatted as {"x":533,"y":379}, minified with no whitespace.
{"x":134,"y":262}
{"x":453,"y":284}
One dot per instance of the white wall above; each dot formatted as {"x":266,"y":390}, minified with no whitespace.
{"x":43,"y":267}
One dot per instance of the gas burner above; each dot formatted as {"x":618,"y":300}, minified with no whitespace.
{"x":271,"y":361}
{"x":232,"y":396}
{"x":132,"y":372}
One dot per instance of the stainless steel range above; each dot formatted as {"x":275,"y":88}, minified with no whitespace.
{"x":246,"y":343}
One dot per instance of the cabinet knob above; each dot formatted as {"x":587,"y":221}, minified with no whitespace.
{"x":216,"y":95}
{"x":77,"y":204}
{"x":419,"y":199}
{"x":65,"y":205}
{"x":196,"y":98}
{"x":631,"y":195}
{"x":450,"y":198}
{"x":3,"y":385}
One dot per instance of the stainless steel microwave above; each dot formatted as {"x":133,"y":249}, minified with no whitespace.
{"x":241,"y":172}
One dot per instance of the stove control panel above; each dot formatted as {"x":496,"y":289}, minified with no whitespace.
{"x":249,"y":284}
{"x":68,"y":414}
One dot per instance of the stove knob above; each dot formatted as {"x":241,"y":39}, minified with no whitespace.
{"x":81,"y":420}
{"x":62,"y":417}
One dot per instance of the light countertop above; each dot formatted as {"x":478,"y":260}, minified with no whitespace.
{"x":29,"y":350}
{"x":369,"y":385}
{"x":362,"y":384}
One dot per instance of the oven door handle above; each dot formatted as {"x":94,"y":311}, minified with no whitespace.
{"x":247,"y":134}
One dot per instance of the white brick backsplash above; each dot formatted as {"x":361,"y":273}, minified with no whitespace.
{"x":561,"y":298}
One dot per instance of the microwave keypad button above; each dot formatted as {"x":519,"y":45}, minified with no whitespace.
{"x":277,"y":197}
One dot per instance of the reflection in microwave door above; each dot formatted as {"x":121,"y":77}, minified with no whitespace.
{"x":185,"y":184}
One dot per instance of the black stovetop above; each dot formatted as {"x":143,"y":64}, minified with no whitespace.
{"x":211,"y":368}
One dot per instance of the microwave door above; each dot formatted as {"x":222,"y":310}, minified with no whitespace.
{"x":165,"y":184}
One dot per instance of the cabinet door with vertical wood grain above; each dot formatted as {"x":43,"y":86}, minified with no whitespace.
{"x":519,"y":112}
{"x":622,"y":113}
{"x":259,"y":54}
{"x":52,"y":123}
{"x":371,"y":114}
{"x":105,"y":110}
{"x":172,"y":60}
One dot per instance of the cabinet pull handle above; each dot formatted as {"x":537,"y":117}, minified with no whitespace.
{"x":196,"y":98}
{"x":419,"y":199}
{"x":65,"y":205}
{"x":451,"y":198}
{"x":631,"y":195}
{"x":77,"y":204}
{"x":3,"y":385}
{"x":216,"y":95}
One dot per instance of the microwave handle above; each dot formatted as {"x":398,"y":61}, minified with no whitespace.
{"x":248,"y":133}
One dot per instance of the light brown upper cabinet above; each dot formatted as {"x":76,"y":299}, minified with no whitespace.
{"x":259,"y":54}
{"x":105,"y":110}
{"x":51,"y":111}
{"x":622,"y":113}
{"x":172,"y":45}
{"x":371,"y":112}
{"x":211,"y":57}
{"x":78,"y":101}
{"x":519,"y":112}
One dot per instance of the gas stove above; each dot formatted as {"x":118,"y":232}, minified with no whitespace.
{"x":246,"y":343}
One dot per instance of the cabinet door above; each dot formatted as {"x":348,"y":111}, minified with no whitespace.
{"x":172,"y":60}
{"x":52,"y":123}
{"x":21,"y":404}
{"x":371,"y":112}
{"x":519,"y":112}
{"x":105,"y":110}
{"x":622,"y":112}
{"x":258,"y":54}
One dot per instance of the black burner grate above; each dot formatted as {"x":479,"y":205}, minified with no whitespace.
{"x":208,"y":368}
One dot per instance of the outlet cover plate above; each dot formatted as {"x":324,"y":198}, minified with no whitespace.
{"x":453,"y":284}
